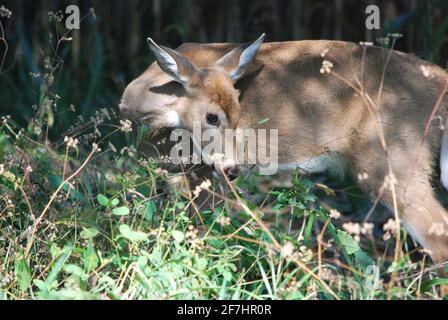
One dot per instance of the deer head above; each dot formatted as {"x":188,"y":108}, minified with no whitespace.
{"x":190,"y":95}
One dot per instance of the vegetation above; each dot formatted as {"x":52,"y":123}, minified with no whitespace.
{"x":85,"y":215}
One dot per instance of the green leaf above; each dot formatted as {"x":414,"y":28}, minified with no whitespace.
{"x":263,"y":121}
{"x":309,"y":197}
{"x":350,"y":244}
{"x":227,"y":275}
{"x":433,"y":282}
{"x":201,"y":263}
{"x":180,"y":205}
{"x":301,"y":206}
{"x":215,"y":242}
{"x":75,"y":270}
{"x":149,"y":210}
{"x":102,"y":200}
{"x":51,"y":280}
{"x":55,"y":251}
{"x":91,"y":260}
{"x":114,"y":202}
{"x":249,"y":231}
{"x":89,"y":233}
{"x":72,"y":294}
{"x":22,"y":271}
{"x":309,"y":229}
{"x":307,"y":183}
{"x":178,"y":236}
{"x":142,"y":261}
{"x":56,"y":181}
{"x":134,"y":236}
{"x":121,"y":211}
{"x":40,"y":284}
{"x":363,"y":260}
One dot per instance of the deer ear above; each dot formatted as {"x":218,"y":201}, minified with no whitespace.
{"x":237,"y":61}
{"x":178,"y":67}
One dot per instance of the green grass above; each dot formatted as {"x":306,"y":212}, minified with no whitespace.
{"x":115,"y":232}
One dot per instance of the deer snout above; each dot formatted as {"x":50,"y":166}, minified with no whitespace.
{"x":125,"y":110}
{"x":122,"y":107}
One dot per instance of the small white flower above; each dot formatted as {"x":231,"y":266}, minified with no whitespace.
{"x":112,"y":147}
{"x":362,"y":176}
{"x":324,"y":53}
{"x":352,"y":228}
{"x":367,"y":228}
{"x":95,"y":147}
{"x":390,"y":226}
{"x":334,"y":214}
{"x":223,"y":220}
{"x":161,"y":172}
{"x":206,"y":184}
{"x":287,"y":250}
{"x":426,"y":71}
{"x":384,"y":41}
{"x":126,"y":125}
{"x":326,"y":67}
{"x":305,"y":254}
{"x":4,"y":119}
{"x":5,"y":12}
{"x":71,"y":142}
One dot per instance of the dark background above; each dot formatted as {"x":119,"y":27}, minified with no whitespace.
{"x":110,"y":50}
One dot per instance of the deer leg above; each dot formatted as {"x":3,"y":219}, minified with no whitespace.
{"x":425,"y":219}
{"x":420,"y":213}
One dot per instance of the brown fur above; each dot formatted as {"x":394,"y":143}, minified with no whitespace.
{"x":318,"y":114}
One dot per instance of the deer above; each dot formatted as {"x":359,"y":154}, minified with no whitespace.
{"x":338,"y":107}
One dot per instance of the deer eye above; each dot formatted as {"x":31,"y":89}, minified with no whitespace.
{"x":212,"y":118}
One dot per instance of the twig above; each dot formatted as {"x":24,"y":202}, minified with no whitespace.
{"x":53,"y":197}
{"x":2,"y":38}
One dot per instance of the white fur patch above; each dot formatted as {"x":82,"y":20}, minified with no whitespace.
{"x":172,"y":119}
{"x":317,"y":164}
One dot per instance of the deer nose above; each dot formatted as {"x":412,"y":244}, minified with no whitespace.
{"x":122,"y":107}
{"x":231,"y":172}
